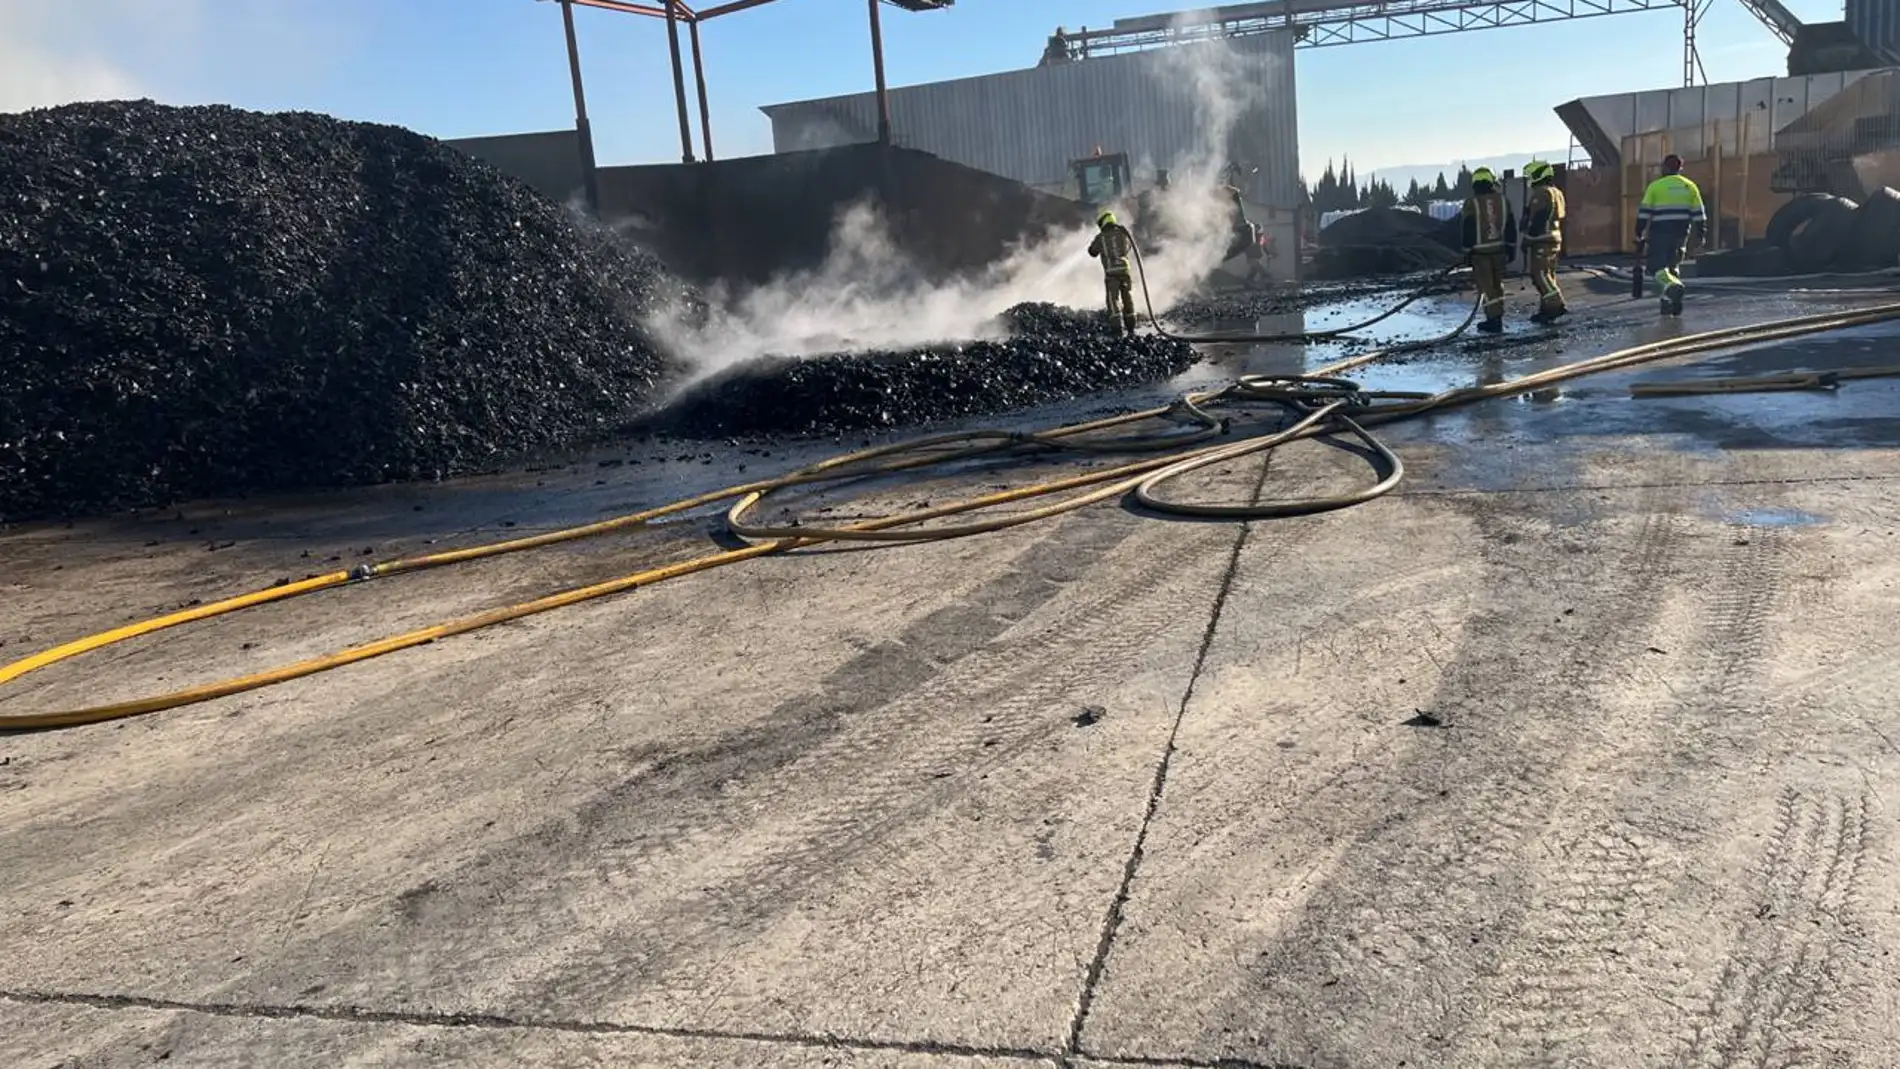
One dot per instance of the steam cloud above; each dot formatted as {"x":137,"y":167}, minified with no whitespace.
{"x":867,"y":294}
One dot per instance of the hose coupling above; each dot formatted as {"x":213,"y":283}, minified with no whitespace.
{"x":362,"y":572}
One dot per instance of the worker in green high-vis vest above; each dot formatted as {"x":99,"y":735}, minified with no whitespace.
{"x":1670,"y":217}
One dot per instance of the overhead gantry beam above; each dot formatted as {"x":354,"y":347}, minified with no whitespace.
{"x":1329,"y":23}
{"x":676,"y":12}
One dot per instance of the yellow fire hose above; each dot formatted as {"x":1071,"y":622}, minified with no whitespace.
{"x":1321,"y":402}
{"x":1792,"y":380}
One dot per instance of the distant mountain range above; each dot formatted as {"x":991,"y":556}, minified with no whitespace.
{"x":1426,"y":173}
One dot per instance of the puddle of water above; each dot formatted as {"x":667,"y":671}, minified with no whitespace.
{"x":1774,"y":518}
{"x":1420,"y":320}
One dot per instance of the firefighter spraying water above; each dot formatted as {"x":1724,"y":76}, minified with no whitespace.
{"x":1114,"y":246}
{"x":1104,"y":181}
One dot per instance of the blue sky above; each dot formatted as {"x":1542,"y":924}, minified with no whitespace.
{"x":463,"y":67}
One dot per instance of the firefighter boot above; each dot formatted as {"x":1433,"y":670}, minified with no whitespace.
{"x":1671,"y":286}
{"x":1492,"y":326}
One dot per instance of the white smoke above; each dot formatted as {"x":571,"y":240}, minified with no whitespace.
{"x":868,"y":294}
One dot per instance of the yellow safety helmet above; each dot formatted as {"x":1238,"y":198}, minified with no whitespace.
{"x":1483,"y":174}
{"x":1538,"y":171}
{"x":1105,"y":220}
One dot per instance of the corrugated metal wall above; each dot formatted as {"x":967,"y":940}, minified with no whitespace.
{"x":1877,"y":24}
{"x":1029,"y":124}
{"x":1758,"y":108}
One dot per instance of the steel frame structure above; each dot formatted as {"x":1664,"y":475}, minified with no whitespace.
{"x":1329,"y":23}
{"x":676,"y":12}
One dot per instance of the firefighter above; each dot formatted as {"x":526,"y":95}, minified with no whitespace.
{"x":1243,"y":237}
{"x":1671,"y":216}
{"x":1543,"y":232}
{"x":1113,"y":246}
{"x":1490,"y":241}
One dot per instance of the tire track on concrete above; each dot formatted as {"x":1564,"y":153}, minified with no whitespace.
{"x":1235,"y":792}
{"x":884,"y":774}
{"x":1416,"y":907}
{"x":699,"y":872}
{"x":1785,"y":957}
{"x":670,"y":791}
{"x":1072,"y":1043}
{"x":1581,"y":917}
{"x":1783,"y":961}
{"x":1556,"y":992}
{"x":1550,"y":991}
{"x":1748,"y":589}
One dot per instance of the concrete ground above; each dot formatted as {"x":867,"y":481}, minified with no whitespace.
{"x":1571,"y":752}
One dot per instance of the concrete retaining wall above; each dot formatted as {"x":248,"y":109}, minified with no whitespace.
{"x":746,"y":220}
{"x":752,"y":218}
{"x":549,"y":161}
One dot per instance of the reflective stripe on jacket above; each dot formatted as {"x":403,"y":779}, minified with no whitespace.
{"x":1670,"y":199}
{"x":1488,"y":223}
{"x":1113,"y":245}
{"x":1544,"y":216}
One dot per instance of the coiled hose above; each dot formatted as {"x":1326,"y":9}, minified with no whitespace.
{"x":1324,"y":406}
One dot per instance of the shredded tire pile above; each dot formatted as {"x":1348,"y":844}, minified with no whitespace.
{"x":1386,"y":241}
{"x":1052,"y":354}
{"x":206,"y":301}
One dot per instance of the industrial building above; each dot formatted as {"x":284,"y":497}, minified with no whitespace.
{"x":1141,"y":94}
{"x":1031,"y":125}
{"x":1156,"y":107}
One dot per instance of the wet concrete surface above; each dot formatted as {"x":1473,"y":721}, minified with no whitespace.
{"x":1573,"y":751}
{"x":559,"y":491}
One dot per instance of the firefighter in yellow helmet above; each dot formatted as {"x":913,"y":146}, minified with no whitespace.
{"x":1113,"y":245}
{"x":1490,"y":240}
{"x":1544,"y":239}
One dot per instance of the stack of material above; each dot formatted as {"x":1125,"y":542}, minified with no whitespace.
{"x":206,"y":301}
{"x":1816,"y":233}
{"x":1385,"y":241}
{"x":1052,"y":354}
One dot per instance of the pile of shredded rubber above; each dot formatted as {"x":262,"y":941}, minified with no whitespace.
{"x":1385,"y":241}
{"x":1050,"y":354}
{"x":207,"y":301}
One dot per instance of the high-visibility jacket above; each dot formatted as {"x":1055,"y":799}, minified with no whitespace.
{"x":1488,"y":223}
{"x":1544,"y":216}
{"x":1113,"y":244}
{"x":1671,"y":199}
